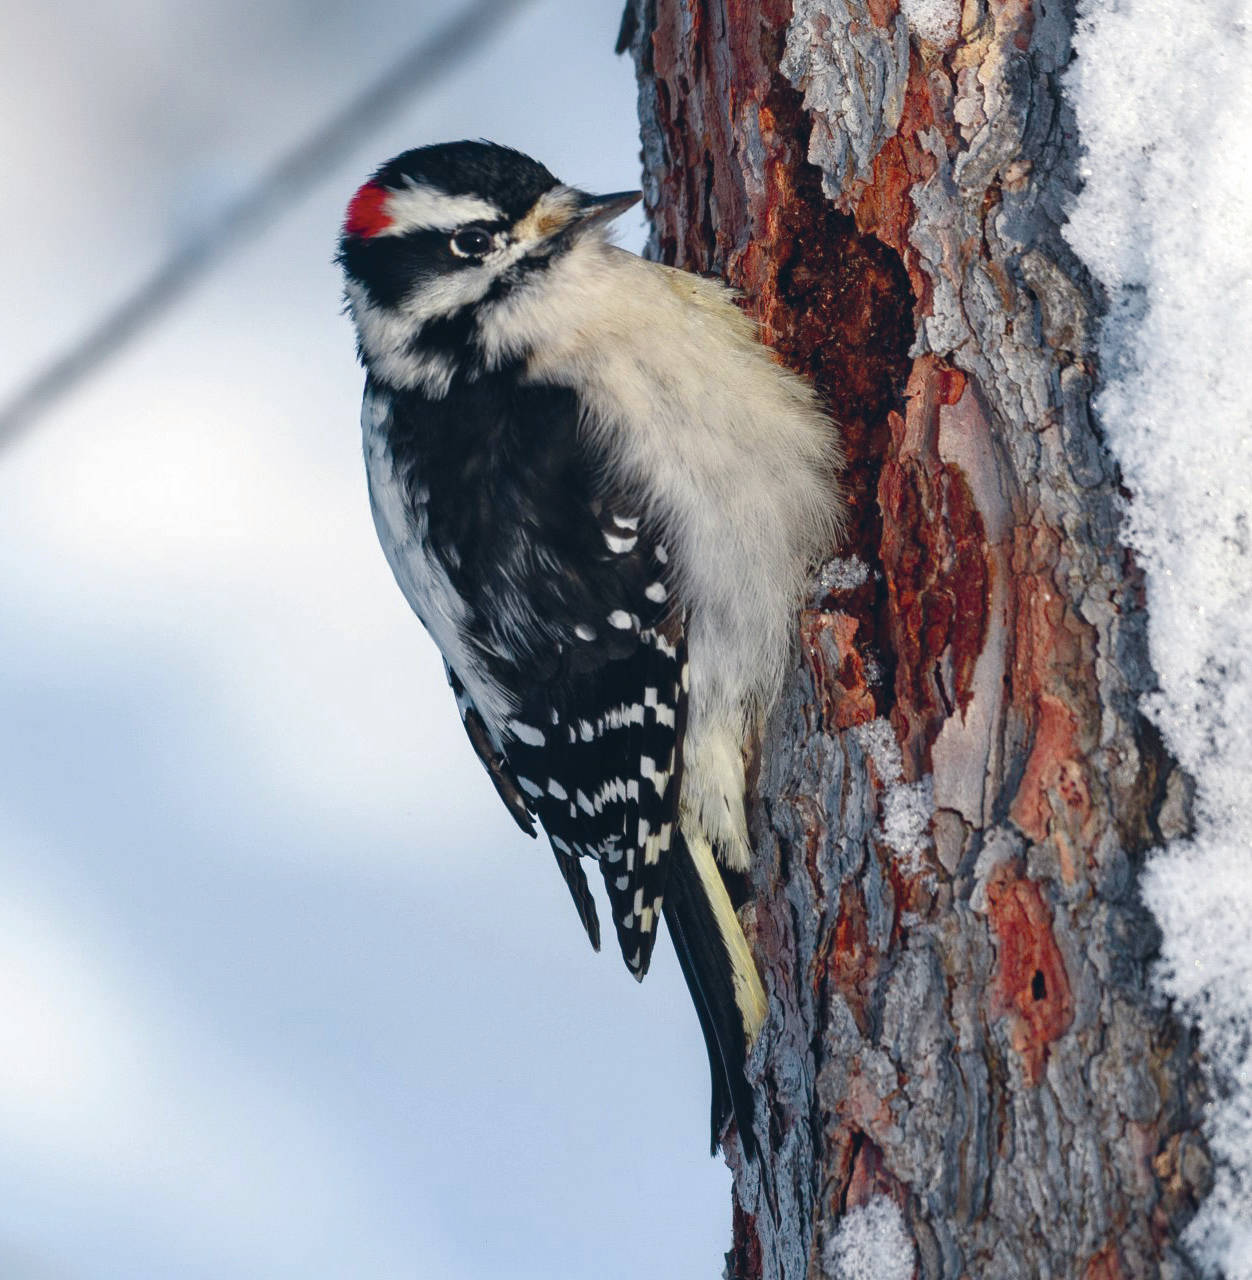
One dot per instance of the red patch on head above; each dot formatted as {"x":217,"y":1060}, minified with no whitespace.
{"x":367,"y":214}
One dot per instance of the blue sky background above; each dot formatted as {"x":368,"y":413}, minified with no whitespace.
{"x":283,"y":992}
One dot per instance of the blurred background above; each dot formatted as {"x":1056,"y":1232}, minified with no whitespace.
{"x":283,"y":992}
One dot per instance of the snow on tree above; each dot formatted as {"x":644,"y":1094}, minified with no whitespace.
{"x":1164,"y":221}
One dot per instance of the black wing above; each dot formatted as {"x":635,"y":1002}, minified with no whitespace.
{"x":564,"y":599}
{"x":597,"y":750}
{"x":493,"y":761}
{"x":505,"y":782}
{"x":568,"y":602}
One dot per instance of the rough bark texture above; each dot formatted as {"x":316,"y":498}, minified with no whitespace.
{"x":955,"y":797}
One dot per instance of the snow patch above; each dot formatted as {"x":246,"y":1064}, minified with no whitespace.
{"x":906,"y":807}
{"x":938,"y":21}
{"x":842,"y":574}
{"x":1162,"y":93}
{"x":871,"y":1243}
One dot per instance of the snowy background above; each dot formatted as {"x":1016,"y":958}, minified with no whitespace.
{"x":283,"y":991}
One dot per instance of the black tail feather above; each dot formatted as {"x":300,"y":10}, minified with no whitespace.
{"x":707,"y":968}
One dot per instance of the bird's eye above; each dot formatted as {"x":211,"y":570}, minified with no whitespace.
{"x":471,"y":242}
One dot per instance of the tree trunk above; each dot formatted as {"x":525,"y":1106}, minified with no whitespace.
{"x":954,"y":798}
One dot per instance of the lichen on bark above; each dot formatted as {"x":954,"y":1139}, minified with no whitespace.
{"x":962,"y":1025}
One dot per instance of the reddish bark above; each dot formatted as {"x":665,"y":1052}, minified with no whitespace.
{"x":953,"y":1018}
{"x":1031,"y":984}
{"x":843,"y":690}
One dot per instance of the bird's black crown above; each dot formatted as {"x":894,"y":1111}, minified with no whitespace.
{"x":508,"y":178}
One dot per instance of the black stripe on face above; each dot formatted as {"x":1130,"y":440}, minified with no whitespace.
{"x":450,"y":336}
{"x":391,"y":268}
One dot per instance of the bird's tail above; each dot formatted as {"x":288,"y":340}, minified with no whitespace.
{"x":720,"y":974}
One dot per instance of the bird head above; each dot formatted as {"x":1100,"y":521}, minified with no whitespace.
{"x":440,"y":237}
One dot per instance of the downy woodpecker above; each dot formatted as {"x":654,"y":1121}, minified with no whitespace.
{"x":602,"y":496}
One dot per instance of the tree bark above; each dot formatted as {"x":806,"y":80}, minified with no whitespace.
{"x":954,"y":799}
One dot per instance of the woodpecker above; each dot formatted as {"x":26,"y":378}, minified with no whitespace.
{"x":602,"y":495}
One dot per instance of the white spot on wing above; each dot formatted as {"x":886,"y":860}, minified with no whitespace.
{"x":610,"y":789}
{"x":527,"y":733}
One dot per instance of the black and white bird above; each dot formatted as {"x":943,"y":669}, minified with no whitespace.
{"x":602,"y":496}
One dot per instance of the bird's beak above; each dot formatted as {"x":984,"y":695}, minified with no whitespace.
{"x":595,"y":210}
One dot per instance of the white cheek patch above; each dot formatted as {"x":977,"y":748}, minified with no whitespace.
{"x":421,"y":208}
{"x":386,"y":338}
{"x":439,"y":296}
{"x":502,"y":326}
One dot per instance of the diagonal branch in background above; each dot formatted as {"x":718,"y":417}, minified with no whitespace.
{"x":292,"y":174}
